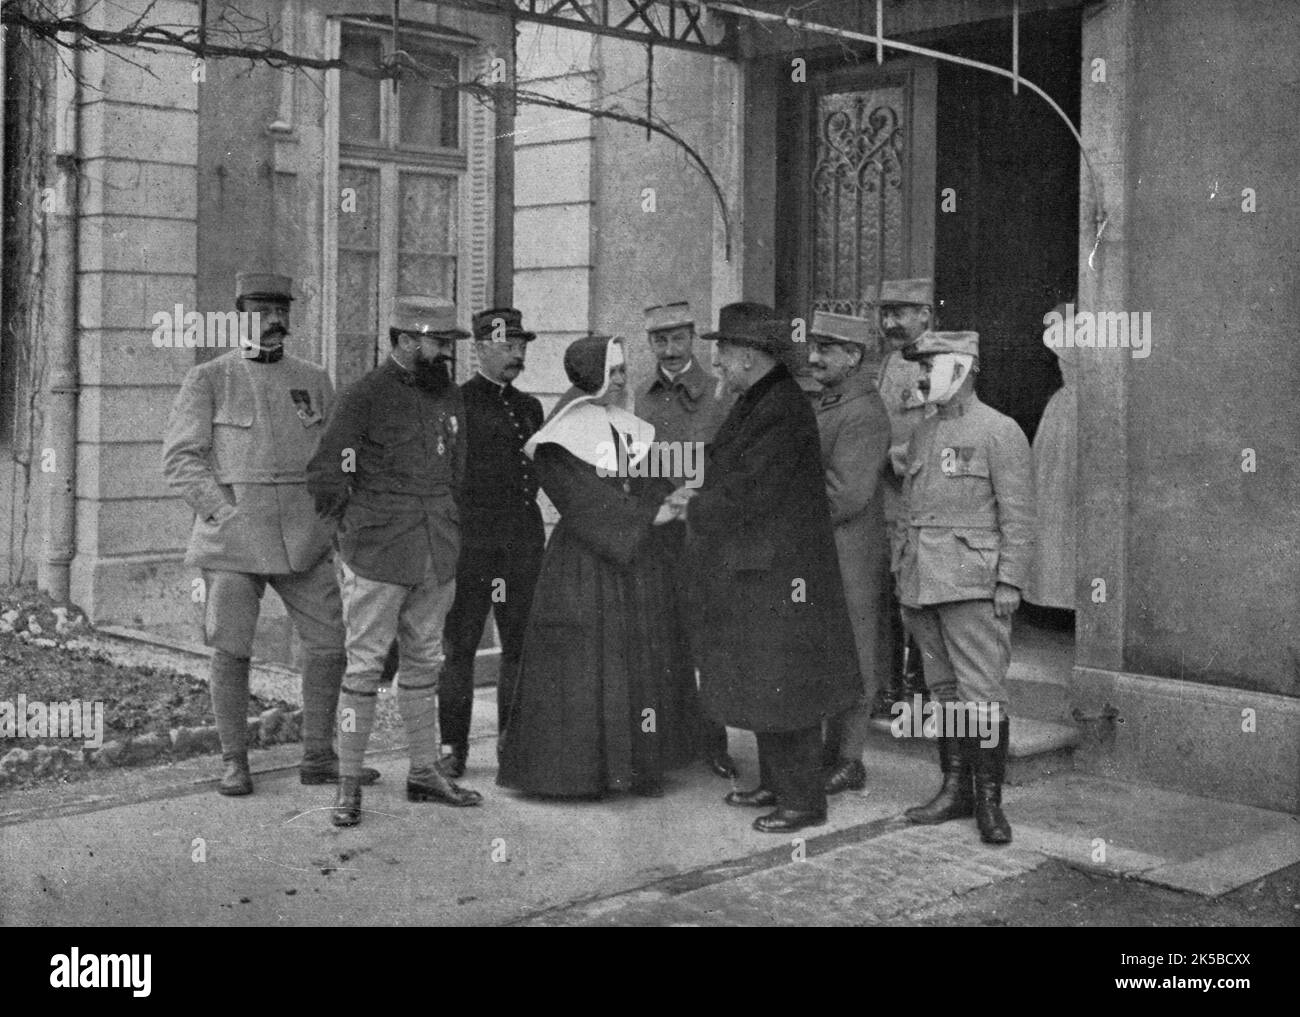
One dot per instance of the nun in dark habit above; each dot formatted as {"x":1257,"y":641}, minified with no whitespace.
{"x":596,"y":708}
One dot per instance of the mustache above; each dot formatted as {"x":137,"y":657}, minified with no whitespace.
{"x":274,"y":330}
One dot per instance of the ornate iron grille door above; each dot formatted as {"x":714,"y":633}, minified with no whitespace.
{"x":859,"y":198}
{"x":856,"y":189}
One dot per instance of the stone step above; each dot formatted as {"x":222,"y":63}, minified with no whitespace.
{"x":1034,"y":695}
{"x":1038,"y":748}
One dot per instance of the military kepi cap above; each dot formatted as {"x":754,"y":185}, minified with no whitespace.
{"x":842,"y":328}
{"x":916,"y":292}
{"x":665,"y":316}
{"x":263,"y":286}
{"x":423,"y":315}
{"x":501,"y":324}
{"x":751,"y":324}
{"x":927,"y":344}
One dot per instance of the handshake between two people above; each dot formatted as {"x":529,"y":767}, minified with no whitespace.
{"x":674,"y":506}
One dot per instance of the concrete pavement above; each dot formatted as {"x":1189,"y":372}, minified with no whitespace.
{"x":165,"y":851}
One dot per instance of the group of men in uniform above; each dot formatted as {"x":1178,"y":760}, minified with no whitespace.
{"x":896,"y":494}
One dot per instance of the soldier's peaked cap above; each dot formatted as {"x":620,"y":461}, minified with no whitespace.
{"x":424,"y":315}
{"x":665,"y":316}
{"x":263,"y":286}
{"x":915,"y":292}
{"x":501,"y":323}
{"x":842,"y":328}
{"x":927,"y":344}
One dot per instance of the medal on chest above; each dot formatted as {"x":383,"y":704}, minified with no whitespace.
{"x":302,"y":406}
{"x":956,"y":459}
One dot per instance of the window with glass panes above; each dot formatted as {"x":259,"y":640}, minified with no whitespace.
{"x":401,"y":157}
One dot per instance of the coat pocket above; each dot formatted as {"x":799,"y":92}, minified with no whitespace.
{"x":979,"y":554}
{"x":233,"y":416}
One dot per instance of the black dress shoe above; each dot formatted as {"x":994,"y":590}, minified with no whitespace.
{"x":759,"y":798}
{"x":786,"y":820}
{"x":347,"y":806}
{"x":453,"y":765}
{"x":433,"y":786}
{"x":328,"y":773}
{"x":236,"y":781}
{"x":846,"y":775}
{"x":721,"y":764}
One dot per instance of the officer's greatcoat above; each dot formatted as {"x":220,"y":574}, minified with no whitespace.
{"x":237,"y":446}
{"x":771,"y":633}
{"x":969,"y":507}
{"x":855,"y":436}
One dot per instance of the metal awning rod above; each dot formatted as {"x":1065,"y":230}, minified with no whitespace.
{"x":906,"y":47}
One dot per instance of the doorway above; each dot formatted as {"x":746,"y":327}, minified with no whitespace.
{"x":919,"y":167}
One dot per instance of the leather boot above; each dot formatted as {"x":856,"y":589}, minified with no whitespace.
{"x":236,"y":780}
{"x":990,"y":768}
{"x":453,"y":763}
{"x":759,"y":798}
{"x":954,"y":800}
{"x":846,"y":775}
{"x":831,"y":743}
{"x":321,"y":680}
{"x":431,"y":785}
{"x":347,"y":806}
{"x":913,"y":676}
{"x":713,"y":740}
{"x":228,"y":686}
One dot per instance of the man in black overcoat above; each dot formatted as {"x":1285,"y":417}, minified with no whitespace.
{"x":773,"y":638}
{"x":501,"y":528}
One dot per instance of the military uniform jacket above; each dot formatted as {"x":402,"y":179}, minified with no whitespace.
{"x":684,"y":409}
{"x":499,"y":503}
{"x":968,"y":520}
{"x":406,"y":448}
{"x":771,"y":632}
{"x":237,"y":446}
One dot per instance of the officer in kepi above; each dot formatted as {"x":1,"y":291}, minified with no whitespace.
{"x":854,"y":429}
{"x":683,"y":403}
{"x":906,"y":310}
{"x":966,"y":552}
{"x":241,"y":433}
{"x":502,"y":535}
{"x":390,"y":466}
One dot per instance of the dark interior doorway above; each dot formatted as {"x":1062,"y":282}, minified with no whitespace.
{"x":1009,"y":252}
